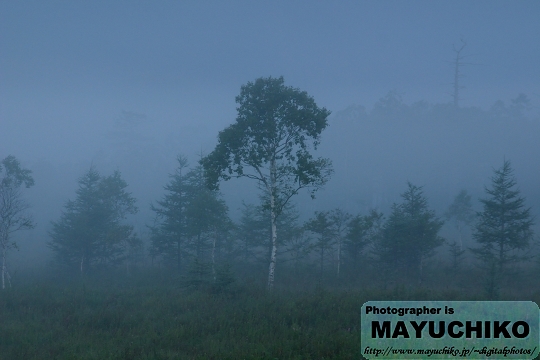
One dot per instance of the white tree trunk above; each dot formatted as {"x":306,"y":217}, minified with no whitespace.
{"x":214,"y":256}
{"x":3,"y":267}
{"x":272,"y":267}
{"x":338,"y":255}
{"x":460,"y":236}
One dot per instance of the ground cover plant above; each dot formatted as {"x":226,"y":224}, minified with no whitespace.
{"x":153,"y":315}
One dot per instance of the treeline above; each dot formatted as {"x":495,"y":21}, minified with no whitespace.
{"x":193,"y":235}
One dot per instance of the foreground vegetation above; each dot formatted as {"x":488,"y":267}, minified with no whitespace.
{"x":151,"y":315}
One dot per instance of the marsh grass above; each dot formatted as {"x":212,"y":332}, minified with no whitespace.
{"x":151,"y":316}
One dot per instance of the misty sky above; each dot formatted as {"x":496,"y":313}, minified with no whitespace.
{"x":69,"y":68}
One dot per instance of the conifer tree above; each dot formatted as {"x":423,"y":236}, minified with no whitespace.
{"x":168,"y":234}
{"x":91,"y":229}
{"x":461,"y":212}
{"x":192,"y":220}
{"x":410,"y":235}
{"x":321,"y":226}
{"x":504,"y":228}
{"x":362,"y":230}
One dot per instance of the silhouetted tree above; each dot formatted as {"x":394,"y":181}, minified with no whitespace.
{"x":91,"y":228}
{"x":275,"y":128}
{"x":191,"y":219}
{"x":321,"y":226}
{"x":13,"y":216}
{"x":461,"y":212}
{"x":363,"y":230}
{"x":339,"y":220}
{"x":207,"y":220}
{"x":411,"y":233}
{"x":168,"y":234}
{"x":504,"y":227}
{"x":251,"y":233}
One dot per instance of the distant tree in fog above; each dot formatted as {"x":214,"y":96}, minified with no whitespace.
{"x":275,"y":128}
{"x":461,"y":212}
{"x":340,"y":220}
{"x":191,"y":220}
{"x":168,"y":234}
{"x":207,"y":219}
{"x":504,"y":228}
{"x":362,"y":231}
{"x":13,"y":216}
{"x":462,"y":215}
{"x":251,"y":233}
{"x":322,"y":228}
{"x":91,"y":229}
{"x":410,"y":235}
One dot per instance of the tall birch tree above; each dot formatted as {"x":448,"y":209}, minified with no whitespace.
{"x":13,"y":216}
{"x":270,"y":142}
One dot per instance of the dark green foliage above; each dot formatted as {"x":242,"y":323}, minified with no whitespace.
{"x":254,"y":233}
{"x":199,"y":275}
{"x":192,"y":220}
{"x":274,"y":123}
{"x":168,"y":234}
{"x":410,"y":235}
{"x":224,"y":278}
{"x":363,"y":231}
{"x":91,"y":229}
{"x":251,"y":233}
{"x":322,"y":227}
{"x":207,"y":220}
{"x":504,"y":228}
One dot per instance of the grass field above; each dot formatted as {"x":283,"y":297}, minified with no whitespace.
{"x":152,"y":317}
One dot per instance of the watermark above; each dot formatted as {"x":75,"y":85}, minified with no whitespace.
{"x":450,"y":329}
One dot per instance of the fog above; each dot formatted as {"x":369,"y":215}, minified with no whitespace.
{"x":130,"y":85}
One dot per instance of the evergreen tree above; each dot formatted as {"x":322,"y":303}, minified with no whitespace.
{"x":168,"y":234}
{"x":504,"y":228}
{"x":251,"y":233}
{"x":206,"y":215}
{"x":191,"y":219}
{"x":91,"y":229}
{"x":322,"y":227}
{"x":410,"y":235}
{"x":461,"y":212}
{"x":362,"y":231}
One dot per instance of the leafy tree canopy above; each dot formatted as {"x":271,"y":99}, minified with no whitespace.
{"x":276,"y":124}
